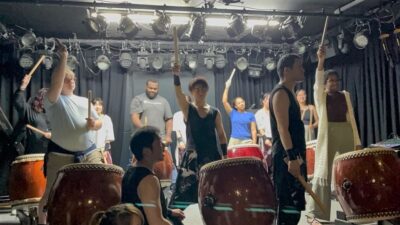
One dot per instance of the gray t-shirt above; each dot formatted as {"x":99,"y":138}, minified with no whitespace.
{"x":67,"y":119}
{"x":154,"y":111}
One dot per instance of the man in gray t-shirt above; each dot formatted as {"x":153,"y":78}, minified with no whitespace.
{"x":151,"y":109}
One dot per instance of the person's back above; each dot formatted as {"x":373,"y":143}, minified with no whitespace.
{"x":122,"y":214}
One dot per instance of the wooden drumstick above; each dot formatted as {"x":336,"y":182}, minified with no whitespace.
{"x":176,"y":49}
{"x":324,"y":32}
{"x":145,"y":120}
{"x":309,"y":189}
{"x":89,"y":95}
{"x":232,"y":74}
{"x":36,"y":65}
{"x":36,"y":129}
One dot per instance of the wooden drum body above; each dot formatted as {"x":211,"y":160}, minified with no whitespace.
{"x":235,"y":192}
{"x":310,"y":156}
{"x":80,"y":190}
{"x":245,"y":150}
{"x":27,"y":182}
{"x":367,"y":184}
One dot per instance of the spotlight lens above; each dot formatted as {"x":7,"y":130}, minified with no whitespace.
{"x":26,"y":61}
{"x":242,"y":64}
{"x":103,"y":62}
{"x":125,"y":60}
{"x":360,"y":41}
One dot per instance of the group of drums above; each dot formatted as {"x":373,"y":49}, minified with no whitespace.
{"x":233,"y":191}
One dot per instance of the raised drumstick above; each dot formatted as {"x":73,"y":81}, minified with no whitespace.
{"x":176,"y":49}
{"x":232,"y":74}
{"x":324,"y":32}
{"x":36,"y":129}
{"x":36,"y":65}
{"x":89,"y":95}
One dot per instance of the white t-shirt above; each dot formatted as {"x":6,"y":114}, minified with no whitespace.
{"x":263,"y":122}
{"x":67,"y":119}
{"x":105,"y":133}
{"x":179,"y":125}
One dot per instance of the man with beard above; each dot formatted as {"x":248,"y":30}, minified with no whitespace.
{"x":151,"y":109}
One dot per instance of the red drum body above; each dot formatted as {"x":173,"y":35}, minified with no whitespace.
{"x":310,"y":156}
{"x":27,"y":181}
{"x":80,"y":190}
{"x":236,"y":192}
{"x":163,"y":169}
{"x":367,"y":184}
{"x":245,"y":150}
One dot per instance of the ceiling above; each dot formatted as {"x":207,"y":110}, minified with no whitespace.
{"x":57,"y":18}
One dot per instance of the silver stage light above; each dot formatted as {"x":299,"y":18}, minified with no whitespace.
{"x":125,"y":60}
{"x":360,"y":40}
{"x":26,"y":60}
{"x":128,"y":27}
{"x":48,"y":62}
{"x":103,"y":63}
{"x":97,"y":24}
{"x":270,"y":63}
{"x":197,"y":27}
{"x":220,"y":61}
{"x":162,"y":24}
{"x":28,"y":40}
{"x":158,"y":62}
{"x":242,"y":64}
{"x":236,"y":25}
{"x":191,"y":62}
{"x":72,"y":62}
{"x":255,"y":70}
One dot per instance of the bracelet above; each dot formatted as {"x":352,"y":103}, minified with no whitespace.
{"x":177,"y":81}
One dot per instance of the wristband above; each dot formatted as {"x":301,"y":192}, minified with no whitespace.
{"x":224,"y":148}
{"x":292,"y":154}
{"x":177,"y":81}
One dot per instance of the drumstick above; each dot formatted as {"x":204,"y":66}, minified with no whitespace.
{"x":36,"y":129}
{"x":324,"y":32}
{"x":309,"y":189}
{"x":36,"y":65}
{"x":176,"y":49}
{"x":89,"y":94}
{"x":145,"y":120}
{"x":232,"y":74}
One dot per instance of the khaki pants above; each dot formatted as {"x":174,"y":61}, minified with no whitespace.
{"x":57,"y":160}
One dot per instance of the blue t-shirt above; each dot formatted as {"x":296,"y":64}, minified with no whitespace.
{"x":241,"y":124}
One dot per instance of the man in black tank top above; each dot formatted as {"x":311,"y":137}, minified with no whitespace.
{"x":288,"y":144}
{"x":140,"y":186}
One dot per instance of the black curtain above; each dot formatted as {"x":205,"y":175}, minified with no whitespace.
{"x":366,"y":74}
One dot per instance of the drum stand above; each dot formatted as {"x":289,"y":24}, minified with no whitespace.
{"x":26,"y":213}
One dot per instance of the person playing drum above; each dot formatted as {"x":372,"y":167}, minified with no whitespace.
{"x":203,"y":126}
{"x":140,"y":186}
{"x":288,"y":144}
{"x":337,"y":132}
{"x":122,"y":214}
{"x":244,"y":128}
{"x":72,"y":137}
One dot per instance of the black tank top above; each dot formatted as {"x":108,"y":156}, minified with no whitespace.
{"x":130,"y":184}
{"x":201,"y":135}
{"x":296,"y":126}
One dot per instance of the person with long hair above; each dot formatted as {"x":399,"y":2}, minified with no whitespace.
{"x":203,"y":126}
{"x":122,"y":214}
{"x":105,"y":135}
{"x":337,"y":133}
{"x":309,"y":115}
{"x":243,"y":124}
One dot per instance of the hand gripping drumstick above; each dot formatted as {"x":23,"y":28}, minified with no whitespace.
{"x":309,"y":189}
{"x":324,"y":32}
{"x":176,"y":49}
{"x":89,"y":95}
{"x":36,"y":65}
{"x":36,"y":129}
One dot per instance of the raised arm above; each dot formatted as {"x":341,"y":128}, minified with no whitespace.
{"x":57,"y":78}
{"x":180,"y":96}
{"x":225,"y":102}
{"x":319,"y":77}
{"x":149,"y":194}
{"x":20,"y":103}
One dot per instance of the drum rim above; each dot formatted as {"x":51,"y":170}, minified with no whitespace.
{"x":26,"y":201}
{"x":230,"y":162}
{"x":373,"y":217}
{"x":243,"y":145}
{"x":91,"y":167}
{"x":364,"y":152}
{"x":28,"y":158}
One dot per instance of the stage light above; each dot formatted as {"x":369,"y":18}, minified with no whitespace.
{"x":125,"y":60}
{"x":28,"y":40}
{"x":143,"y":58}
{"x":290,"y":28}
{"x":242,"y":64}
{"x":128,"y":27}
{"x":236,"y":25}
{"x":191,"y":62}
{"x":48,"y":62}
{"x":26,"y":60}
{"x":270,"y":63}
{"x":103,"y":63}
{"x":162,"y":24}
{"x":158,"y":63}
{"x":97,"y":24}
{"x":360,"y":40}
{"x":197,"y":29}
{"x":220,"y":61}
{"x":299,"y":47}
{"x":255,"y":70}
{"x":72,"y":62}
